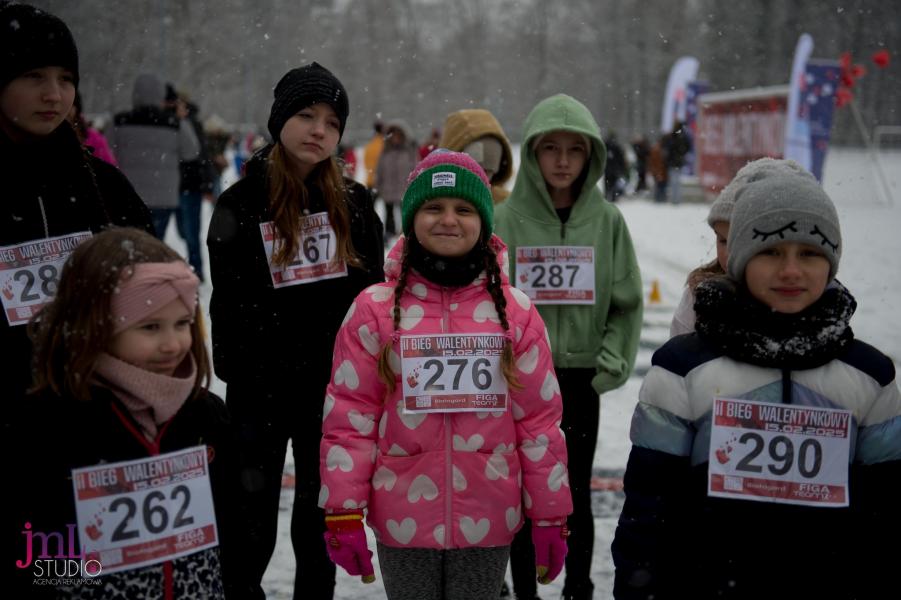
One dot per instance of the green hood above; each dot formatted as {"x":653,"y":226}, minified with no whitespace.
{"x":559,"y":113}
{"x":603,"y":336}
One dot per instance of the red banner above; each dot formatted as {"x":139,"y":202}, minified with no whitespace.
{"x":735,"y":128}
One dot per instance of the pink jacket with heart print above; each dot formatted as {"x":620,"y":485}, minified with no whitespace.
{"x":441,"y":480}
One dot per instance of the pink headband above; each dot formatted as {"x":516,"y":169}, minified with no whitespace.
{"x":150,"y":287}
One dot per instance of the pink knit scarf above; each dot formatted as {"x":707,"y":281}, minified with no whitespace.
{"x":151,"y":398}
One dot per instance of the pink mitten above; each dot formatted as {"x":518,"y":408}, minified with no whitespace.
{"x":346,"y":544}
{"x":550,"y":550}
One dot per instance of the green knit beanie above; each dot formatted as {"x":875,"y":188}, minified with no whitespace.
{"x":447,"y":174}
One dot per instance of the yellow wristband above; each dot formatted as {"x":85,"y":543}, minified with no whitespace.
{"x":345,"y":517}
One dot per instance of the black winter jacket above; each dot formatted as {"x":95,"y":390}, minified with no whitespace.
{"x":261,"y":333}
{"x":52,"y":188}
{"x":198,"y":175}
{"x":675,"y":541}
{"x":60,"y":434}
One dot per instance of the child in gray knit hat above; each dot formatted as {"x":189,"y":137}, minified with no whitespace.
{"x":719,"y":220}
{"x":768,"y":422}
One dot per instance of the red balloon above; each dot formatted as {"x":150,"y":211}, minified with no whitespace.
{"x":881,"y":58}
{"x":843,"y":96}
{"x":845,"y":61}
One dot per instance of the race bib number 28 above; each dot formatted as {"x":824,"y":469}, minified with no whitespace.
{"x":29,"y":274}
{"x":779,"y":453}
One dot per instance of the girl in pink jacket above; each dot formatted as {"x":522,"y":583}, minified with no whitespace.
{"x":442,"y":417}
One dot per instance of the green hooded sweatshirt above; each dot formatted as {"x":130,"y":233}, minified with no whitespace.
{"x":604,"y":335}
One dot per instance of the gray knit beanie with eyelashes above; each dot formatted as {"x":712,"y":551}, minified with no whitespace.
{"x":778,"y":201}
{"x":721,"y":209}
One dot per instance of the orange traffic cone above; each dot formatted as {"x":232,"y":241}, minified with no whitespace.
{"x":654,"y":296}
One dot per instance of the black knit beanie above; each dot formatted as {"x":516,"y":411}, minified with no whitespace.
{"x":30,"y":39}
{"x":303,"y":87}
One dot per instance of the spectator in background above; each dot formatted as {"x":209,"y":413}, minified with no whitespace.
{"x":430,"y":144}
{"x":90,"y":137}
{"x":372,"y":151}
{"x":642,"y":149}
{"x":397,"y":160}
{"x":677,"y":145}
{"x":616,"y":169}
{"x":347,"y":157}
{"x":657,"y":167}
{"x":476,"y":132}
{"x":149,"y":142}
{"x":197,"y":184}
{"x":217,"y":140}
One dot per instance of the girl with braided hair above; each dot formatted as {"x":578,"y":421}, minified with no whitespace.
{"x":442,"y":415}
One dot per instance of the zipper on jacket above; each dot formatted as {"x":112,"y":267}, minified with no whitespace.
{"x":786,"y":386}
{"x":153,"y":448}
{"x":558,"y":321}
{"x":448,"y":445}
{"x":44,"y":216}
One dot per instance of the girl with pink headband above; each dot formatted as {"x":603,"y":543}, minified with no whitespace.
{"x":133,"y":447}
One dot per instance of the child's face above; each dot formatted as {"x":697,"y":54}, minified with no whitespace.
{"x":159,"y":342}
{"x":721,"y":229}
{"x":36,"y":102}
{"x":311,"y":136}
{"x":561,"y":157}
{"x":788,"y":277}
{"x":447,"y":226}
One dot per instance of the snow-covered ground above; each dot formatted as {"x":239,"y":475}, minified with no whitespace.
{"x":670,"y":241}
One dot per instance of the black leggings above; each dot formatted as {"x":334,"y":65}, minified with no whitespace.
{"x":581,"y":415}
{"x":263,"y":433}
{"x":428,"y":574}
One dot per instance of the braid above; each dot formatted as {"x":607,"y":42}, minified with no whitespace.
{"x":496,"y":290}
{"x":384,"y":365}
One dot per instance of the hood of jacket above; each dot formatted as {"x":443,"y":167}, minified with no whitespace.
{"x":149,"y":90}
{"x":258,"y":163}
{"x":466,"y":126}
{"x":402,"y":126}
{"x":557,"y":113}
